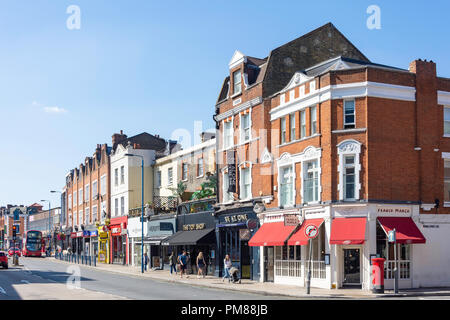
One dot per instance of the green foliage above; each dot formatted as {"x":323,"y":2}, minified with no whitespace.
{"x":208,"y":188}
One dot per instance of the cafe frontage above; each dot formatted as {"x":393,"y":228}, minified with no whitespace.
{"x":348,"y":237}
{"x":235,"y":226}
{"x":119,"y":240}
{"x":196,"y":233}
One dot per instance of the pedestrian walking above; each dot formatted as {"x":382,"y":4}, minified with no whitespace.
{"x":227,"y":266}
{"x":145,"y":261}
{"x":200,"y":265}
{"x":183,"y":264}
{"x":173,"y":263}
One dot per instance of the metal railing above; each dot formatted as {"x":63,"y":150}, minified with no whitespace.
{"x":404,"y":269}
{"x":89,"y":260}
{"x":164,"y":204}
{"x":288,"y":268}
{"x":318,"y":270}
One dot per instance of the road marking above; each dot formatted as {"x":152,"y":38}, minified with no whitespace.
{"x":2,"y":290}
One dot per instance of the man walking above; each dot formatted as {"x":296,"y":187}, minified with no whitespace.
{"x":145,"y":261}
{"x":183,"y":264}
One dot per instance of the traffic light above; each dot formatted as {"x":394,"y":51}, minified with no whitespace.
{"x":14,"y":230}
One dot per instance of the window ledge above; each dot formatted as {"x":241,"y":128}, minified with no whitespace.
{"x":353,"y":130}
{"x":247,"y":141}
{"x":237,"y":94}
{"x":446,"y":135}
{"x":299,"y":140}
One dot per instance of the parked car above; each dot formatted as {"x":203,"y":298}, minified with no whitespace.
{"x":11,"y":252}
{"x":3,"y":260}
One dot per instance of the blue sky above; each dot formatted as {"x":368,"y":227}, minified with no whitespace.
{"x":157,"y":66}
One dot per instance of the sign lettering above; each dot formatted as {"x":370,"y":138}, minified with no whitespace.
{"x":190,"y":227}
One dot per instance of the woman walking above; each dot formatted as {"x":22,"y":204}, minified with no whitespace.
{"x":200,"y":264}
{"x":227,"y":266}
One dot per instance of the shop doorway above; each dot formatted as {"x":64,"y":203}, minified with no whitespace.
{"x":352,"y":267}
{"x":269,"y":263}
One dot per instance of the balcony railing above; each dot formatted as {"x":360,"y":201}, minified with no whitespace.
{"x":160,"y":205}
{"x":404,"y":269}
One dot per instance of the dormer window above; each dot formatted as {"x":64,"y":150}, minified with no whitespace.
{"x":237,"y":82}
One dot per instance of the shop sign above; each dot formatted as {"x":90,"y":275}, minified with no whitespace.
{"x":116,"y":230}
{"x":236,"y":218}
{"x":394,"y":210}
{"x":244,"y":234}
{"x":76,"y":234}
{"x":194,"y":226}
{"x":231,"y":164}
{"x":103,"y":235}
{"x":291,"y":220}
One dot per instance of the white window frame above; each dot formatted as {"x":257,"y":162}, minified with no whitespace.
{"x":116,"y":207}
{"x":292,"y":126}
{"x":94,"y":213}
{"x":122,"y":206}
{"x":303,"y":124}
{"x":446,"y":203}
{"x":353,"y":124}
{"x":80,"y":196}
{"x":170,"y":176}
{"x":281,"y":167}
{"x":313,"y":123}
{"x":305,"y":172}
{"x":87,"y":217}
{"x":80,"y":217}
{"x":227,"y":197}
{"x":70,"y":201}
{"x":87,"y":195}
{"x":237,"y":84}
{"x":184,"y":172}
{"x":228,"y":134}
{"x":200,"y":165}
{"x":158,"y":178}
{"x":94,"y":189}
{"x":75,"y":198}
{"x":349,"y":148}
{"x":116,"y":177}
{"x":242,"y":129}
{"x":283,"y":137}
{"x":241,"y":180}
{"x":122,"y":174}
{"x":446,"y":134}
{"x":103,"y":185}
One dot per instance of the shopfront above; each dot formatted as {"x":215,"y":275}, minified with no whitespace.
{"x":119,"y":240}
{"x":90,"y":239}
{"x":135,"y":236}
{"x":160,"y":228}
{"x":196,"y":234}
{"x":233,"y":231}
{"x":77,"y":242}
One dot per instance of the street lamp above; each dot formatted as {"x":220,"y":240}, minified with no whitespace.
{"x":49,"y":206}
{"x":142,"y":209}
{"x":60,"y":216}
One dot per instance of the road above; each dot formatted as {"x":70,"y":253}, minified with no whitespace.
{"x":43,"y":279}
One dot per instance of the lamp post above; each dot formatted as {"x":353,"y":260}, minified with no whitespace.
{"x":142,"y":209}
{"x":60,"y":216}
{"x":49,"y":206}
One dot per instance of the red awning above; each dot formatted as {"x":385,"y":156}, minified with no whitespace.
{"x":271,"y":234}
{"x":299,"y":238}
{"x":406,"y":229}
{"x":348,"y":231}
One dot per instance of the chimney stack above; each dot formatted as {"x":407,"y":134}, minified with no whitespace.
{"x":118,"y":138}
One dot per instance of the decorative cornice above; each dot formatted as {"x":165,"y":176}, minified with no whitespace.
{"x":239,"y":108}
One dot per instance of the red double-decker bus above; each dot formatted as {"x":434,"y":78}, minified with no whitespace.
{"x":32,"y":244}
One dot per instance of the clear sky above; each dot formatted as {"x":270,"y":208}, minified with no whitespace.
{"x":157,"y":66}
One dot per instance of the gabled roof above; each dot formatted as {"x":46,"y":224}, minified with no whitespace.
{"x":277,"y":69}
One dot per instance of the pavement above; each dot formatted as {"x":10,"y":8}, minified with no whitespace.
{"x":266,"y":288}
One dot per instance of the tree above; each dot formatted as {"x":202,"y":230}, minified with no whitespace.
{"x":208,"y":188}
{"x":179,"y":190}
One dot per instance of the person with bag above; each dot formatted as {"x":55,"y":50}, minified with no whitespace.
{"x":200,"y":264}
{"x":227,"y":266}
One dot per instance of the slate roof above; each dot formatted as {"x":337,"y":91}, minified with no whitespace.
{"x":277,"y":69}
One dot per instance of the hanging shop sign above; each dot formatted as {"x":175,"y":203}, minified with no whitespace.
{"x":291,"y":220}
{"x":231,"y":165}
{"x":245,"y":234}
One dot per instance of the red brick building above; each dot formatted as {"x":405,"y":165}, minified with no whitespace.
{"x":351,"y":147}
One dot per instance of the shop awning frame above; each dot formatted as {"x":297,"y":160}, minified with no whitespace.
{"x":299,"y":238}
{"x":406,"y":229}
{"x":271,"y":234}
{"x":349,"y":230}
{"x":194,"y":237}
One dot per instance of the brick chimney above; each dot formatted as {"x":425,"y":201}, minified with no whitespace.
{"x":118,"y":138}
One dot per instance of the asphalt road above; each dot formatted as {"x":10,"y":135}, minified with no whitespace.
{"x":40,"y":278}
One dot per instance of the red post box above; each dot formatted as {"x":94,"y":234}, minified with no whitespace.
{"x":378,"y":275}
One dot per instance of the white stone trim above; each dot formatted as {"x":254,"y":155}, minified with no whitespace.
{"x":242,"y":180}
{"x":348,"y":148}
{"x":239,"y":108}
{"x":443,"y":98}
{"x":345,"y":91}
{"x":266,"y":156}
{"x":237,"y":59}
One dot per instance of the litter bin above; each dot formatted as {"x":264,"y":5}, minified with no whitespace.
{"x":378,"y":275}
